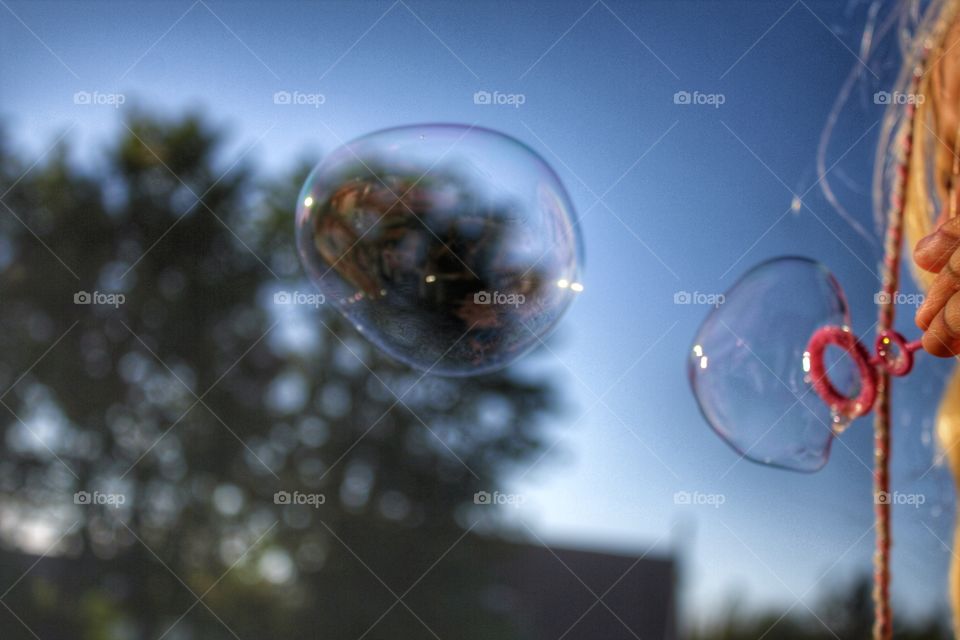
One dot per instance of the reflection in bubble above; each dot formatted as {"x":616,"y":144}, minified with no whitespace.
{"x":452,"y":248}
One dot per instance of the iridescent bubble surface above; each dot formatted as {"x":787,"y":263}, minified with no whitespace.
{"x":750,"y":370}
{"x":454,"y":249}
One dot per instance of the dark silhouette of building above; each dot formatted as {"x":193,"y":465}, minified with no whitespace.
{"x":544,"y":593}
{"x":585,"y":595}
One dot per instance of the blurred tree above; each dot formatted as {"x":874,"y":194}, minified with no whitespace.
{"x":848,"y":611}
{"x":844,"y":611}
{"x":144,"y":357}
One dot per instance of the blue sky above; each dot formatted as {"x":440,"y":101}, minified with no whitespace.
{"x":673,"y":197}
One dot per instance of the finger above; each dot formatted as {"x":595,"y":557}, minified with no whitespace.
{"x":933,"y":252}
{"x":944,"y":286}
{"x":943,"y":337}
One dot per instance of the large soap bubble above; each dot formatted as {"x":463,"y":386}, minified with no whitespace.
{"x":454,"y":249}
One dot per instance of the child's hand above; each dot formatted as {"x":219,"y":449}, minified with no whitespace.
{"x":939,"y":316}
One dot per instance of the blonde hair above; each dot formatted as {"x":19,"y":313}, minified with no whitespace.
{"x":924,"y":196}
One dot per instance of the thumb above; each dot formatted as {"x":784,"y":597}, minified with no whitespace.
{"x":933,"y":252}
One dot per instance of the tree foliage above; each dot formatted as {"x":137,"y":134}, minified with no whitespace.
{"x":197,"y":399}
